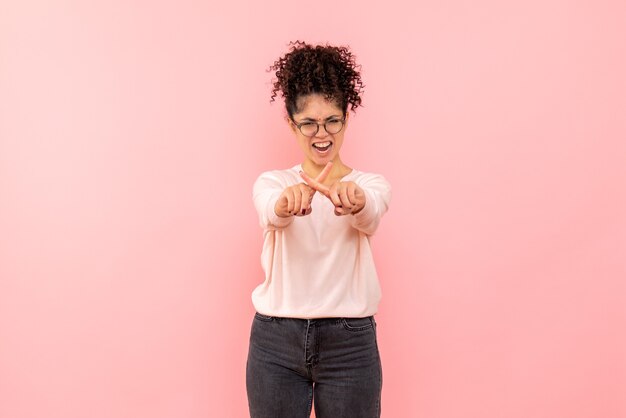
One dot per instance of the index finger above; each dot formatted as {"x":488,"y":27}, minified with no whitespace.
{"x":325,"y":171}
{"x":315,"y":184}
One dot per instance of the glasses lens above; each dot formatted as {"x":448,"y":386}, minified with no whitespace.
{"x":308,"y":129}
{"x":334,"y":126}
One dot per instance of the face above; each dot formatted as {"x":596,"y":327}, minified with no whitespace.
{"x":323,"y":146}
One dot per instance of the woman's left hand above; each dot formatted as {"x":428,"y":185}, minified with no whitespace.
{"x":347,"y":196}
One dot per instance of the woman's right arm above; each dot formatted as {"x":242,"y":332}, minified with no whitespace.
{"x":267,"y":189}
{"x":277,"y":203}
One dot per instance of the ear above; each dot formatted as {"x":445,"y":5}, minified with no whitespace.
{"x":292,"y":126}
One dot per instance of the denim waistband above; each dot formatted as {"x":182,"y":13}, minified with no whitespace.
{"x":312,"y":320}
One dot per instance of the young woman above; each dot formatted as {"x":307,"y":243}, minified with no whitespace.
{"x":313,"y":336}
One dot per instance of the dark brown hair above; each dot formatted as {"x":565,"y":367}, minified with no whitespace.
{"x":323,"y":69}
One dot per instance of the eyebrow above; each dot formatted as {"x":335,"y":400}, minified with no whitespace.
{"x":314,"y":120}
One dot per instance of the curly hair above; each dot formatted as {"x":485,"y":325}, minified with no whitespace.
{"x":323,"y":69}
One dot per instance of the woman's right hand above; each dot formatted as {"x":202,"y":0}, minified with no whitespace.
{"x":296,"y":199}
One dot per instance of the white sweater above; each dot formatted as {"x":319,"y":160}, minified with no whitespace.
{"x":319,"y":265}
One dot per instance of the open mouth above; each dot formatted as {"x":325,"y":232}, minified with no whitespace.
{"x":322,"y":147}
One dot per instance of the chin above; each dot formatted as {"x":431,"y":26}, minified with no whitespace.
{"x":323,"y":161}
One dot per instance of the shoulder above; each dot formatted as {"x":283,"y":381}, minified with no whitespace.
{"x":363,"y":178}
{"x":278,"y":178}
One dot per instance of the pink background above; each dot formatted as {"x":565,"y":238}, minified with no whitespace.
{"x":131,"y":134}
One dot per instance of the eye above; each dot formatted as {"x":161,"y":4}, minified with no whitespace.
{"x":334,"y":124}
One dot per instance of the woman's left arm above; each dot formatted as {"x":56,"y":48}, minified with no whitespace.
{"x":377,"y":191}
{"x":366,"y":200}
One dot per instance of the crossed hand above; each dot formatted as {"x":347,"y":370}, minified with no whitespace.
{"x":346,"y":196}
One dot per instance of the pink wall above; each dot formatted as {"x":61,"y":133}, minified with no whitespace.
{"x":131,"y":134}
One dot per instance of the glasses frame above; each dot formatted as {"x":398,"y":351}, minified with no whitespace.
{"x":317,"y":129}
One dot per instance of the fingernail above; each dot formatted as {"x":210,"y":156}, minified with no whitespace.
{"x":303,"y":211}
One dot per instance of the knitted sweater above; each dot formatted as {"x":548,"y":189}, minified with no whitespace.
{"x":318,"y":265}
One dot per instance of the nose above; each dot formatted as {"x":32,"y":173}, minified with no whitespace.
{"x":321,"y":131}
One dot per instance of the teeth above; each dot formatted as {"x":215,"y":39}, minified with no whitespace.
{"x":322,"y":144}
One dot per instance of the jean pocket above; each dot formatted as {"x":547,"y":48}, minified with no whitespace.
{"x":262,"y":317}
{"x":357,"y":324}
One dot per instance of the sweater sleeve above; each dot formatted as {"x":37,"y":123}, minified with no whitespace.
{"x":377,"y":197}
{"x":265,"y":192}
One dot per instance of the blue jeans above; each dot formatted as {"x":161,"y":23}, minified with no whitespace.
{"x":330,"y":363}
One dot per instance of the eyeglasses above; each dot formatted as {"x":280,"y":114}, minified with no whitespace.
{"x":332,"y":126}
